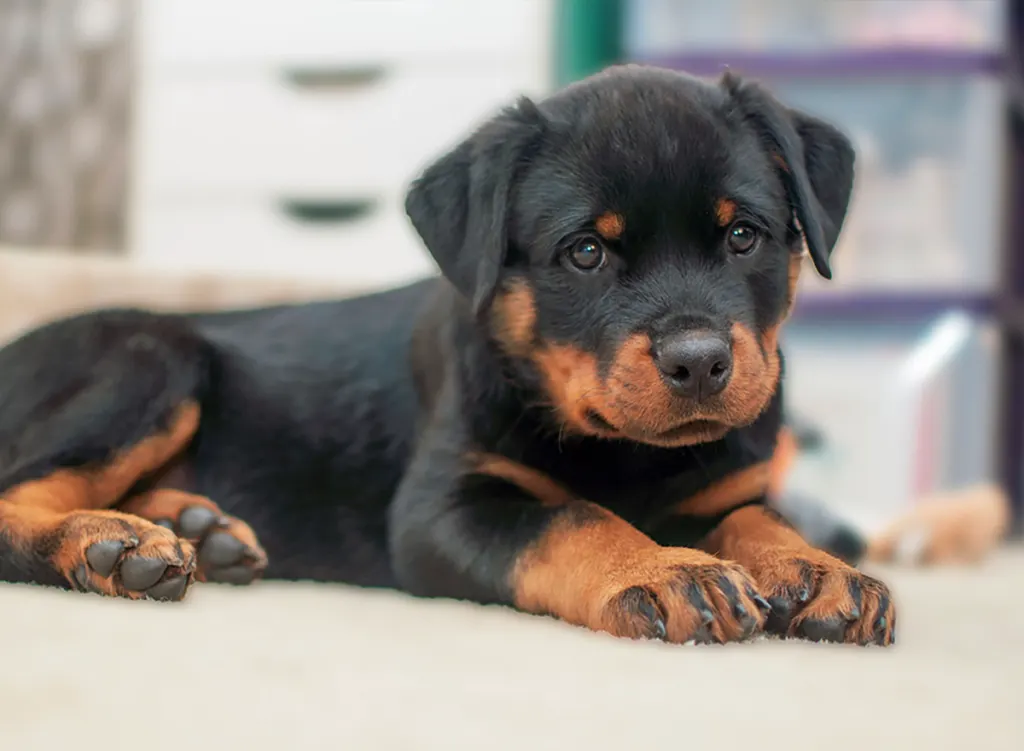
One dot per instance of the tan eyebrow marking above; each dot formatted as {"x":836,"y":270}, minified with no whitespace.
{"x":610,"y":225}
{"x":725,"y":211}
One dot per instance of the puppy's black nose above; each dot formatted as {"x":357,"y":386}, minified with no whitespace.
{"x":696,"y":364}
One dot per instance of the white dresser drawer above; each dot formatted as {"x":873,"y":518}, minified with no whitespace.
{"x":379,"y":249}
{"x":258,"y":133}
{"x":206,"y":33}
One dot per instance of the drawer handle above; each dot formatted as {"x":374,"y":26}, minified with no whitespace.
{"x":332,"y":79}
{"x":328,"y":212}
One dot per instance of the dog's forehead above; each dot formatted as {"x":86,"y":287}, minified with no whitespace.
{"x":638,"y":142}
{"x":645,"y":123}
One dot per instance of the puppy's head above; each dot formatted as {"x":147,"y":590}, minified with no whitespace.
{"x":632,"y":244}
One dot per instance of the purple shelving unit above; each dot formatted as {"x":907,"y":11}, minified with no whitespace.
{"x":1005,"y":303}
{"x":882,"y":305}
{"x":1011,"y":293}
{"x":860,"y":63}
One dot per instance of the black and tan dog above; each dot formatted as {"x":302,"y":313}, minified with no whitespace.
{"x":575,"y":420}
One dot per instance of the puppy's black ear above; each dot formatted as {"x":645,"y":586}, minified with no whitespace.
{"x":817,"y":163}
{"x":460,"y":204}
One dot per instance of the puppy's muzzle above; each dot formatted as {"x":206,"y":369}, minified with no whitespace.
{"x":694,"y":364}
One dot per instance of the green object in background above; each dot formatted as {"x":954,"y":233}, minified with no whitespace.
{"x":588,"y":37}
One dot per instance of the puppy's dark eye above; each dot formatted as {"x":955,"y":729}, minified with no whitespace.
{"x":586,"y":254}
{"x":743,"y":239}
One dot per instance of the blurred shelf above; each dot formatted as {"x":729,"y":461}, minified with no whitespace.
{"x":924,"y":61}
{"x":902,"y":306}
{"x":1011,"y":313}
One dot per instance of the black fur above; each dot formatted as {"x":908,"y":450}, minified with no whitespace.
{"x":339,"y":430}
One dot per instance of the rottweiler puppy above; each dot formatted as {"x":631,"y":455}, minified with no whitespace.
{"x":574,"y":419}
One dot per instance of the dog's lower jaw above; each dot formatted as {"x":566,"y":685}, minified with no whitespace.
{"x":689,"y":433}
{"x":685,"y":433}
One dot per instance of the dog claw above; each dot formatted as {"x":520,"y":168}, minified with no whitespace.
{"x":80,"y":578}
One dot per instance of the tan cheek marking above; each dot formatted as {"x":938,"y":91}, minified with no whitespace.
{"x":515,"y":318}
{"x":796,"y":264}
{"x":725,"y":211}
{"x":571,"y":381}
{"x":536,"y":483}
{"x":610,"y":225}
{"x":756,"y":363}
{"x":770,"y":342}
{"x":755,"y":377}
{"x":638,"y":394}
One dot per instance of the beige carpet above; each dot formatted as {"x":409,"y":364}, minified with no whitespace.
{"x":292,"y":667}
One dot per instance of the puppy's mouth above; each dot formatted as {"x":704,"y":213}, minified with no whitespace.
{"x":599,"y":423}
{"x":693,"y":431}
{"x":635,"y":401}
{"x":685,"y":433}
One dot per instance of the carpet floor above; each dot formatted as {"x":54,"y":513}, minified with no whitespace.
{"x":289,"y":667}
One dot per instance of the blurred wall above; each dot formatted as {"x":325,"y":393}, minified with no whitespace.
{"x":66,"y":91}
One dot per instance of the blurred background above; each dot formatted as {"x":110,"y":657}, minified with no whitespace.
{"x":203,"y":153}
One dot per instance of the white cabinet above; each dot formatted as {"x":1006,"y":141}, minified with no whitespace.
{"x":278,"y":136}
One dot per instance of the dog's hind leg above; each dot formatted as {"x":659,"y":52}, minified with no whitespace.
{"x":89,"y":407}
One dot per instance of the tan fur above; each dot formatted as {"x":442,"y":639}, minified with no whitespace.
{"x":957,"y":527}
{"x":101,"y":487}
{"x":572,"y":383}
{"x":65,"y":537}
{"x":536,"y":483}
{"x":581,"y":566}
{"x":785,"y":454}
{"x":796,"y":264}
{"x":725,"y":212}
{"x":637,"y":403}
{"x":167,"y":504}
{"x":610,"y":225}
{"x":515,"y":317}
{"x":737,"y":488}
{"x":755,"y":374}
{"x":779,"y":559}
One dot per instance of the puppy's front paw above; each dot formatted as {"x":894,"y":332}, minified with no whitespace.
{"x":817,"y":597}
{"x":682,"y":595}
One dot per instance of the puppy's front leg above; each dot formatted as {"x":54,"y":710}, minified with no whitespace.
{"x":813,"y":594}
{"x":505,"y":533}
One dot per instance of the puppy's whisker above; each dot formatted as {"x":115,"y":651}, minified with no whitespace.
{"x":561,"y":434}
